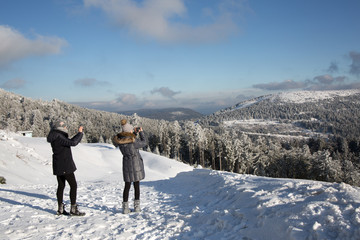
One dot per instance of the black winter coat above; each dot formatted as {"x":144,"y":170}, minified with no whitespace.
{"x":63,"y":162}
{"x":133,"y":165}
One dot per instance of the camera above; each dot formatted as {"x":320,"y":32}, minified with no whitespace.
{"x":137,"y":129}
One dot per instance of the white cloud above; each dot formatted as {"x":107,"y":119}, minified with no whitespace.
{"x":333,"y":67}
{"x":165,"y":91}
{"x":324,"y":79}
{"x":127,"y":99}
{"x":355,"y":65}
{"x":163,"y":20}
{"x":15,"y":46}
{"x":90,"y":82}
{"x":285,"y":85}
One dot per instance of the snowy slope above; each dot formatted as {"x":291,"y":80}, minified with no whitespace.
{"x":292,"y":97}
{"x":178,"y":202}
{"x":312,"y":96}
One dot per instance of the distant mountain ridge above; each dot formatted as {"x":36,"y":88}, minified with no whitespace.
{"x":294,"y":97}
{"x":168,"y":114}
{"x":323,"y":112}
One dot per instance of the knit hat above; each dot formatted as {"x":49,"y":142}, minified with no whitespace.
{"x":61,"y":126}
{"x":126,"y":127}
{"x":59,"y":123}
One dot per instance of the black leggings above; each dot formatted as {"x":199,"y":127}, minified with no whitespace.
{"x":127,"y":189}
{"x":70,"y":178}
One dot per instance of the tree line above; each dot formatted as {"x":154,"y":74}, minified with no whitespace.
{"x":208,"y":142}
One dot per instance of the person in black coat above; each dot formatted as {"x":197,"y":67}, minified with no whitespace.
{"x":133,"y":165}
{"x":63,"y":164}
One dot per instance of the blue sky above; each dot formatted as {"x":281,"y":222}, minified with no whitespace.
{"x":206,"y":55}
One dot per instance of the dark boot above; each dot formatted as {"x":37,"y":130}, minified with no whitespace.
{"x":75,"y":211}
{"x":61,"y":210}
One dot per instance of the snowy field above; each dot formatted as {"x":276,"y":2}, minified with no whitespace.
{"x":312,"y":96}
{"x":178,"y":202}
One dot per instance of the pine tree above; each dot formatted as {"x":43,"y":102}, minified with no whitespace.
{"x":175,"y":140}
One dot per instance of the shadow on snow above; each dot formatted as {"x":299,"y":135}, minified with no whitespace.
{"x":28,"y":194}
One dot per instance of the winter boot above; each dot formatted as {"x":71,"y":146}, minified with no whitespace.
{"x":75,"y":211}
{"x":137,"y":206}
{"x":125,"y":208}
{"x":61,"y":210}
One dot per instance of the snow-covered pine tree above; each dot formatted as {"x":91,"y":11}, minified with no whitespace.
{"x":189,"y":136}
{"x":175,"y":138}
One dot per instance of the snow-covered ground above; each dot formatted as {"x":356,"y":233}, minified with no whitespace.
{"x":271,"y":128}
{"x":178,"y":202}
{"x":251,"y":122}
{"x":312,"y":96}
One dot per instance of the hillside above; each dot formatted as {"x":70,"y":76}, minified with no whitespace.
{"x":178,"y":202}
{"x":19,"y":113}
{"x":305,"y":113}
{"x":273,"y":136}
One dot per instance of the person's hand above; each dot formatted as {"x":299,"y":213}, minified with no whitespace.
{"x":81,"y":128}
{"x":137,"y":129}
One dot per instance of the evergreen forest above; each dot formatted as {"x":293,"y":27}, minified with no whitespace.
{"x":317,"y":140}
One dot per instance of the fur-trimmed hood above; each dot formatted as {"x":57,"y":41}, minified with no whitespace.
{"x":124,"y":138}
